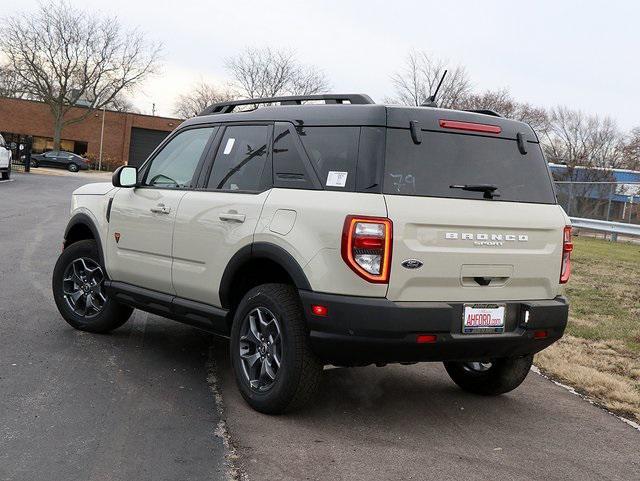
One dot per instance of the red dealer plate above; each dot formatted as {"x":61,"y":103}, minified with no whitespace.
{"x":483,"y":318}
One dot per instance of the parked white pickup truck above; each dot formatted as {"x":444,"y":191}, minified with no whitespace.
{"x":5,"y":159}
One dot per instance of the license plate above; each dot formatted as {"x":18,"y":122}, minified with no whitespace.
{"x":483,"y":318}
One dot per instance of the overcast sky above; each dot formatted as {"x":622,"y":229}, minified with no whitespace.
{"x":585,"y":55}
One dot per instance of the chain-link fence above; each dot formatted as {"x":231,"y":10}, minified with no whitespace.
{"x":603,"y":200}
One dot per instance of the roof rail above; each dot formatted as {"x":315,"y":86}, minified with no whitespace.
{"x":228,"y":107}
{"x":485,"y":112}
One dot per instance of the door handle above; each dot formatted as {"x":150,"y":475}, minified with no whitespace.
{"x":232,"y":216}
{"x":160,"y":209}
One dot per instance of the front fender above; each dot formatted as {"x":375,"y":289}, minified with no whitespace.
{"x":85,"y":219}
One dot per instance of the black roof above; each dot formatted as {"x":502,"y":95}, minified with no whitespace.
{"x":356,"y":113}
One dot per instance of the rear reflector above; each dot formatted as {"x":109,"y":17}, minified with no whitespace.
{"x":366,"y":247}
{"x":426,"y":338}
{"x":470,"y":126}
{"x":541,"y":334}
{"x":567,"y":247}
{"x":319,"y":310}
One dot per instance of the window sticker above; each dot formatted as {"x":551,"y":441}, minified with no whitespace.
{"x":337,"y":179}
{"x":229,"y":146}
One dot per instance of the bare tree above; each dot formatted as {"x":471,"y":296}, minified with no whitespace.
{"x":586,"y":140}
{"x":631,"y":152}
{"x":502,"y":102}
{"x":67,"y":57}
{"x":265,"y":72}
{"x":10,"y":85}
{"x":199,"y":98}
{"x":590,"y":146}
{"x":122,"y":103}
{"x":420,"y":77}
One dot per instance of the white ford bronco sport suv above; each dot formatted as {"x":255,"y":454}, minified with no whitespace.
{"x":331,"y":230}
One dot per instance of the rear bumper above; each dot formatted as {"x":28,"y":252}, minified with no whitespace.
{"x":361,"y":330}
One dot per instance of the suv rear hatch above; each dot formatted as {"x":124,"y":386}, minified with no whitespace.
{"x":470,"y":245}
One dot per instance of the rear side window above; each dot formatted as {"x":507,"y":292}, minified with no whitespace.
{"x":290,"y":167}
{"x":443,"y":159}
{"x":241,"y":160}
{"x":333,"y":151}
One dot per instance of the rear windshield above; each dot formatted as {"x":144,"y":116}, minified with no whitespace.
{"x":444,"y":159}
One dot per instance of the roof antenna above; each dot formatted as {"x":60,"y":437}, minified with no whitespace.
{"x":431,"y":101}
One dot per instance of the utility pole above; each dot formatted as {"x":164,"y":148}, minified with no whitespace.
{"x":104,"y":112}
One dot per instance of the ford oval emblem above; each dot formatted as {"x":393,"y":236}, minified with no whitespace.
{"x":412,"y":264}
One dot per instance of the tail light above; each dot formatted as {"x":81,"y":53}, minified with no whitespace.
{"x":366,"y":247}
{"x":567,"y":247}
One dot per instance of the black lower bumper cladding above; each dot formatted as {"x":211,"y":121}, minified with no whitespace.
{"x":361,"y":330}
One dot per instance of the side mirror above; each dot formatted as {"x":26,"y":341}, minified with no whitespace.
{"x":125,"y":176}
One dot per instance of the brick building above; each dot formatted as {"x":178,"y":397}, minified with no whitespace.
{"x":128,"y":137}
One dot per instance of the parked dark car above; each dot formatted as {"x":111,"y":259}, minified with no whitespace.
{"x":59,"y":158}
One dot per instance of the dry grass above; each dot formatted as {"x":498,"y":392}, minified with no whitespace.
{"x":600,"y":354}
{"x":604,"y":371}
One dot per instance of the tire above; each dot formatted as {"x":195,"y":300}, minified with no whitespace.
{"x":6,"y":175}
{"x":299,"y":371}
{"x":73,"y":167}
{"x":110,"y":314}
{"x":34,"y":163}
{"x":503,"y":375}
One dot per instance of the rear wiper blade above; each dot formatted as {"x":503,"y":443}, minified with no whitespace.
{"x":487,"y":189}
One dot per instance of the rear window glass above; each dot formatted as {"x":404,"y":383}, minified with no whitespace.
{"x":443,"y":159}
{"x":241,"y":159}
{"x":333,"y":151}
{"x":288,"y":165}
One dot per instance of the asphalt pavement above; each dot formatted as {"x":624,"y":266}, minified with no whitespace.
{"x":133,"y":405}
{"x":137,"y":404}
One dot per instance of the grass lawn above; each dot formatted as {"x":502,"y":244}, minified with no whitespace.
{"x":600,"y":353}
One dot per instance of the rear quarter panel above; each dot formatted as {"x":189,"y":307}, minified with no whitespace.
{"x":315,"y":236}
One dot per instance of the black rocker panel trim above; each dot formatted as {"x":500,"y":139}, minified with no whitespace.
{"x":197,"y":314}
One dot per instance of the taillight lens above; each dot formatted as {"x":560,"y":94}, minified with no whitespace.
{"x":567,"y":247}
{"x":366,"y":247}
